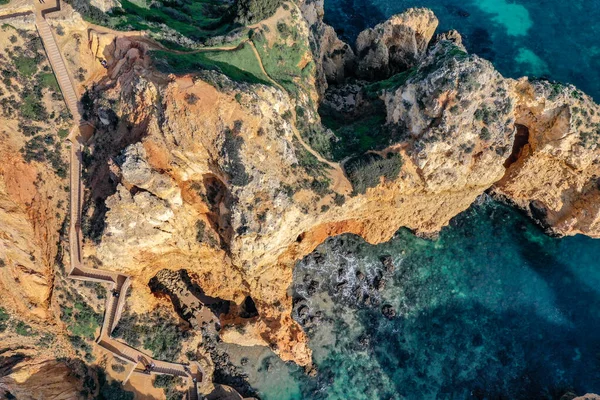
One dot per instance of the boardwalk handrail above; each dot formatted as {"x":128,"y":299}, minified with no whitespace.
{"x":118,"y":283}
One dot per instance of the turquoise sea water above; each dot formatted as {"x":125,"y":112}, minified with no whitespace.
{"x":492,"y":309}
{"x":559,"y":40}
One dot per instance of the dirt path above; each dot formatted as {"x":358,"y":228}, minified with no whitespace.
{"x":340,"y":183}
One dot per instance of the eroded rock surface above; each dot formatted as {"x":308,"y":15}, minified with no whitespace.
{"x":396,"y":44}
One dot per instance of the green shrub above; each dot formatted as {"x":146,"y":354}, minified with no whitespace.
{"x":154,"y":331}
{"x":4,"y":317}
{"x":169,"y":384}
{"x":23,"y":329}
{"x":81,"y":319}
{"x":27,"y":66}
{"x":366,"y":170}
{"x":252,"y":11}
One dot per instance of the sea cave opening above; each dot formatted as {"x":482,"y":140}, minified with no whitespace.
{"x":521,"y":139}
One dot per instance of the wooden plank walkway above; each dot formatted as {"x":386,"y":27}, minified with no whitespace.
{"x":117,"y":283}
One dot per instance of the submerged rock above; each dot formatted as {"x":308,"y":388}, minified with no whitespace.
{"x":388,"y":311}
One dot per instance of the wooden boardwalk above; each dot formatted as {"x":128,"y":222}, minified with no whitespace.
{"x":118,"y":284}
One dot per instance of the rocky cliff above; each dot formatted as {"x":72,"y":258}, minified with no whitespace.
{"x":215,"y":176}
{"x":219,"y":185}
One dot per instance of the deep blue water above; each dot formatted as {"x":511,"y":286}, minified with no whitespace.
{"x":492,"y":309}
{"x":559,"y":40}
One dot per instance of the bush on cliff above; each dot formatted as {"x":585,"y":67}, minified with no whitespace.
{"x":252,"y":11}
{"x":365,"y":171}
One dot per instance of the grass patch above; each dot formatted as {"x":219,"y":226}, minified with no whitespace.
{"x":373,"y":90}
{"x":197,"y":20}
{"x":48,"y":80}
{"x":365,"y":171}
{"x":282,"y":61}
{"x":239,"y":64}
{"x":27,"y":66}
{"x":63,"y":133}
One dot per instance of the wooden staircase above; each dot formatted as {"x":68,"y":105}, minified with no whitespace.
{"x":59,"y":66}
{"x":116,"y":282}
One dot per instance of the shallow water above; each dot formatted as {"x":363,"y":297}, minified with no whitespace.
{"x":544,"y":38}
{"x":491,"y":309}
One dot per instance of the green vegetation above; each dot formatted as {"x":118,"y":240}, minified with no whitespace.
{"x":119,"y":368}
{"x":373,"y":90}
{"x":27,"y":66}
{"x":63,"y":133}
{"x":589,"y":138}
{"x":169,"y":385}
{"x":48,"y":80}
{"x":320,"y":181}
{"x":46,"y":340}
{"x":365,"y":171}
{"x":359,"y":136}
{"x":284,"y":62}
{"x":45,"y":148}
{"x":112,"y":390}
{"x":22,"y":329}
{"x":197,"y":20}
{"x":82,"y":347}
{"x":4,"y":317}
{"x":3,"y":2}
{"x":26,"y":76}
{"x":252,"y":11}
{"x":32,"y":107}
{"x":194,"y":19}
{"x":155,"y":331}
{"x":81,"y":320}
{"x":235,"y":167}
{"x":240,"y":64}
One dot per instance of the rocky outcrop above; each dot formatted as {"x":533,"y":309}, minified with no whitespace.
{"x":31,"y":379}
{"x":457,"y":116}
{"x":335,"y":59}
{"x":206,"y":174}
{"x":554,"y":171}
{"x":220,"y":187}
{"x":396,"y":44}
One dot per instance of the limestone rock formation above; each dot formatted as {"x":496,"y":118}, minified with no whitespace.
{"x":457,"y":114}
{"x":220,"y":186}
{"x":556,"y":164}
{"x":335,"y":58}
{"x":203,"y":173}
{"x":396,"y":44}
